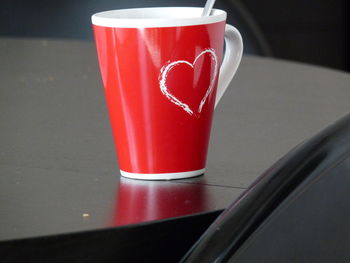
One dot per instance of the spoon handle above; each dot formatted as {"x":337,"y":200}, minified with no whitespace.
{"x":208,"y":7}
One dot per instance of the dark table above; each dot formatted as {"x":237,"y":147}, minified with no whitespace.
{"x":58,"y":170}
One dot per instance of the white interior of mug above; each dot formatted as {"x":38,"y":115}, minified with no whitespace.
{"x":156,"y":17}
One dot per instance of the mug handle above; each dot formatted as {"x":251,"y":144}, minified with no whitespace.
{"x":230,"y":63}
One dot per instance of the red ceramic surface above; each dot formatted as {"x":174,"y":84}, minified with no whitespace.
{"x":160,"y":85}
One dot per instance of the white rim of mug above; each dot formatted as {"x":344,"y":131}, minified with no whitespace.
{"x":162,"y":176}
{"x":158,"y":17}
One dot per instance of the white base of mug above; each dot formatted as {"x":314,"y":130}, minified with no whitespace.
{"x":162,"y":176}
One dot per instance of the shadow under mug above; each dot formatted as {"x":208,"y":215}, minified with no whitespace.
{"x":163,"y":74}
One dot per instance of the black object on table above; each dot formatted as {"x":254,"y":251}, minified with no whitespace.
{"x":59,"y":175}
{"x":297,"y":211}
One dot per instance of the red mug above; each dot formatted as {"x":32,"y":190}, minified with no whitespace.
{"x":162,"y":79}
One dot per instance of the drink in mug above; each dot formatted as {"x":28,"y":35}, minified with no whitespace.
{"x":163,"y":72}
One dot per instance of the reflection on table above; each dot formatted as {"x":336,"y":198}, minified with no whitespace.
{"x":140,"y":201}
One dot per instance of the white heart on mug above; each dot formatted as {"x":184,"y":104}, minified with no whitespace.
{"x":167,"y":68}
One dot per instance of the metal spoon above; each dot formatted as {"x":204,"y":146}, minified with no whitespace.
{"x":208,"y":7}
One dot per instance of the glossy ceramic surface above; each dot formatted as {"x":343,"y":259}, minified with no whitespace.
{"x":160,"y":85}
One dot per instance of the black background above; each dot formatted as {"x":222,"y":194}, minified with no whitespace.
{"x":315,"y":31}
